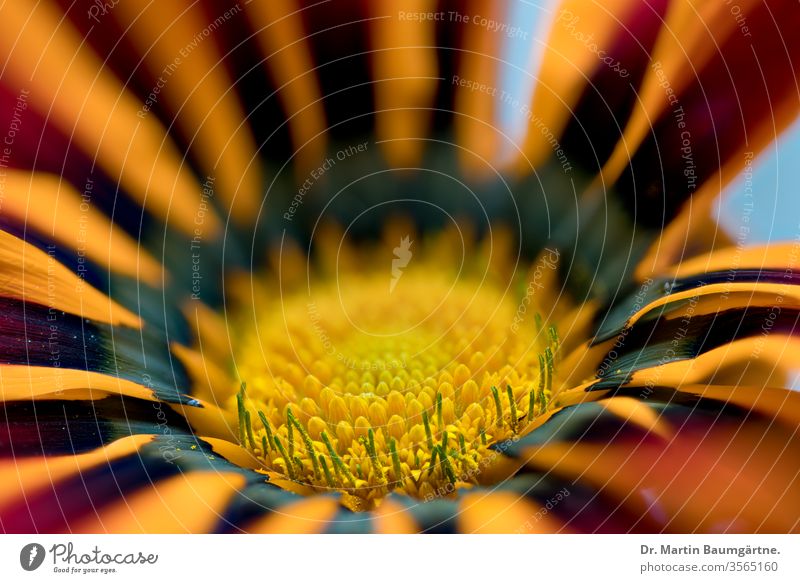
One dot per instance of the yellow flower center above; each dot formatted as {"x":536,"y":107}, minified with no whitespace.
{"x":397,"y":379}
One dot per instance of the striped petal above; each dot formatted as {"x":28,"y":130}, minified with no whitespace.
{"x":670,"y":411}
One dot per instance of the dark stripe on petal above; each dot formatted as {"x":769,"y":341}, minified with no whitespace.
{"x":578,"y":506}
{"x":257,"y":499}
{"x":64,"y":503}
{"x":437,"y":516}
{"x":48,"y":428}
{"x":56,"y":507}
{"x":615,"y":319}
{"x":347,"y":522}
{"x":657,"y":342}
{"x":590,"y":422}
{"x":82,"y":496}
{"x":37,"y":336}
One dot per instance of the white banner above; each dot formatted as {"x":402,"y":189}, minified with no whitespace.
{"x":354,"y":558}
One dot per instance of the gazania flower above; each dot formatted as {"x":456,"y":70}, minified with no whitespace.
{"x":393,"y":266}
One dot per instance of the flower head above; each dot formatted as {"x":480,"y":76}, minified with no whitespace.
{"x":396,"y":266}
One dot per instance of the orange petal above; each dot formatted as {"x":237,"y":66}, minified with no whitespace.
{"x":23,"y":477}
{"x":309,"y":516}
{"x":209,"y":381}
{"x":504,"y":513}
{"x":777,"y":256}
{"x":283,"y":41}
{"x":67,"y":83}
{"x":475,"y":91}
{"x":568,"y":65}
{"x":233,"y":452}
{"x":53,"y":207}
{"x":404,"y":73}
{"x":186,"y":503}
{"x":393,"y":518}
{"x":639,"y":413}
{"x":692,"y":34}
{"x":772,"y":358}
{"x":717,"y":297}
{"x":718,"y":479}
{"x":22,"y":382}
{"x":209,"y":420}
{"x":32,"y":275}
{"x":210,"y":330}
{"x":198,"y":90}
